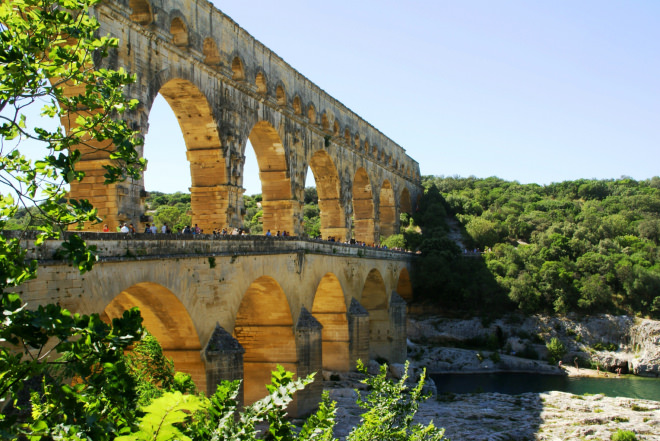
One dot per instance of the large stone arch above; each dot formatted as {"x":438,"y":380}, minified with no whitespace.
{"x":363,"y":208}
{"x":264,"y":327}
{"x":405,"y":205}
{"x":404,"y":286}
{"x":328,"y":187}
{"x":387,"y":210}
{"x":209,"y":193}
{"x":374,"y":299}
{"x":329,"y":309}
{"x":223,"y":62}
{"x":277,"y":202}
{"x":167,"y":319}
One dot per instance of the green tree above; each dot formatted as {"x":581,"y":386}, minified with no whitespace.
{"x":556,"y":350}
{"x":394,"y":241}
{"x":46,"y":59}
{"x":483,"y":232}
{"x":311,"y":196}
{"x":176,"y":217}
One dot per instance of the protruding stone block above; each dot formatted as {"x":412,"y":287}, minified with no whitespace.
{"x":398,"y":347}
{"x":358,"y":330}
{"x":310,"y":353}
{"x":223,"y":356}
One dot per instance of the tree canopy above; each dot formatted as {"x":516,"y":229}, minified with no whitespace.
{"x":584,"y":246}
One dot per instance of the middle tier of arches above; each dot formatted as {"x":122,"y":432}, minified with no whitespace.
{"x":358,"y":199}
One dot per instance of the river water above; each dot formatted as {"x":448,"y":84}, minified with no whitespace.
{"x":517,"y":383}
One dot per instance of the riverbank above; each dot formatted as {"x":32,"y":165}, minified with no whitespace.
{"x":546,"y":416}
{"x":519,"y":344}
{"x":529,"y":416}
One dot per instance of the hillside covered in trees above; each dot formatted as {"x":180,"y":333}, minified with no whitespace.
{"x":581,"y":246}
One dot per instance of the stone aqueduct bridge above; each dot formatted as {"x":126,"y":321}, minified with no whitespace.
{"x":234,"y":307}
{"x":225,"y":87}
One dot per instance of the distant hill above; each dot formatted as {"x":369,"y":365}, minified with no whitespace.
{"x":576,"y":246}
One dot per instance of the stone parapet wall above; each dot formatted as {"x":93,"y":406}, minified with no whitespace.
{"x":114,"y":246}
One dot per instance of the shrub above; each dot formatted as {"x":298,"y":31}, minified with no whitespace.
{"x":605,"y":347}
{"x":623,"y":435}
{"x":556,"y":350}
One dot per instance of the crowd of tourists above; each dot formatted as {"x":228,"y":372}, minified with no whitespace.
{"x":220,"y":232}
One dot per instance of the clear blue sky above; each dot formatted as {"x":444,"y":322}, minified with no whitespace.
{"x":534,"y":91}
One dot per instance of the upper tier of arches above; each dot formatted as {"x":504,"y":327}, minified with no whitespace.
{"x":224,"y":46}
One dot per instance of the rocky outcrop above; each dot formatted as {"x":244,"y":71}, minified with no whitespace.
{"x":518,"y":343}
{"x":645,"y":344}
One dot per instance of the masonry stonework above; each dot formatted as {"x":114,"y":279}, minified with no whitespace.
{"x":235,"y":307}
{"x":225,"y":87}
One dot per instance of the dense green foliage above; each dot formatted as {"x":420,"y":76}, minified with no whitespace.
{"x":623,"y":435}
{"x":585,"y":246}
{"x":389,"y":411}
{"x":253,"y":221}
{"x":556,"y":350}
{"x":38,"y":57}
{"x":171,"y":209}
{"x":45,"y":44}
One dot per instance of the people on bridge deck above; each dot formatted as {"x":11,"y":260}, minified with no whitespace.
{"x":106,"y":228}
{"x":124,"y":228}
{"x":147,"y":229}
{"x":131,"y":228}
{"x":154,"y":230}
{"x":268,"y":233}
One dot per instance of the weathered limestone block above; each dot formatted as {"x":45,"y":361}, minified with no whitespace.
{"x":223,"y":356}
{"x":398,"y":335}
{"x":358,"y":329}
{"x":310,"y":360}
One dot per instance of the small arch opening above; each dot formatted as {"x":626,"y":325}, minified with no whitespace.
{"x":141,"y":12}
{"x":210,"y":51}
{"x":238,"y":71}
{"x":260,"y":81}
{"x":280,"y":96}
{"x":179,"y":32}
{"x":297,"y":106}
{"x":325,"y":124}
{"x":311,"y":114}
